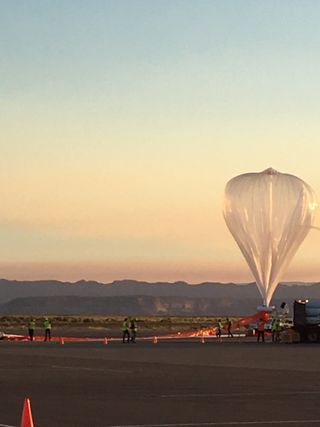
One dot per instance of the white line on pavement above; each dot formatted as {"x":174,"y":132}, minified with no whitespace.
{"x":84,"y":368}
{"x":285,"y":393}
{"x":223,"y":423}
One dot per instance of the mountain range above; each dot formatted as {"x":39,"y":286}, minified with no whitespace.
{"x":131,"y":297}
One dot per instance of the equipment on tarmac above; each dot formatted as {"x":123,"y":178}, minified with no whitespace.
{"x":306,"y":320}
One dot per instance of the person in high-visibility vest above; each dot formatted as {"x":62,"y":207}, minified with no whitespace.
{"x":218,"y":329}
{"x":47,"y":329}
{"x":125,"y":330}
{"x":31,"y":328}
{"x":278,"y":328}
{"x":261,"y":324}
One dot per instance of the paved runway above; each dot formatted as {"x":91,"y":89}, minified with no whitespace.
{"x":169,"y":384}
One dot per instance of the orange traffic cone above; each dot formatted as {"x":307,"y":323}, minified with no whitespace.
{"x":61,"y":340}
{"x":155,"y":340}
{"x":106,"y":340}
{"x":26,"y":419}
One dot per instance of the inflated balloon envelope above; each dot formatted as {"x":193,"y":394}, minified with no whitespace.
{"x":269,"y":214}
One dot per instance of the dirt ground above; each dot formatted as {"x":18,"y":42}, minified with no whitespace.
{"x":104,"y":327}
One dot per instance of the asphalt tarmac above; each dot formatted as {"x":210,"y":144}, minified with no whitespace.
{"x":168,"y":384}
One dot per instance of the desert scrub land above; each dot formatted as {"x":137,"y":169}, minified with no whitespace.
{"x":97,"y":325}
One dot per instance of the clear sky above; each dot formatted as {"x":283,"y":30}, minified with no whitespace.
{"x":122,"y":120}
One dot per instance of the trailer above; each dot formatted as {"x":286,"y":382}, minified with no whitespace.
{"x":306,"y":320}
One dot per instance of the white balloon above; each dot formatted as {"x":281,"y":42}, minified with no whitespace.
{"x":269,"y":214}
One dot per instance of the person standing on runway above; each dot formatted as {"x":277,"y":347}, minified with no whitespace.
{"x":125,"y":331}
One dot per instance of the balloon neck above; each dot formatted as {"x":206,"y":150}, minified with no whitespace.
{"x":265,"y":308}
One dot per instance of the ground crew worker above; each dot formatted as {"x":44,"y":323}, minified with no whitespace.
{"x":133,"y":330}
{"x":229,"y":324}
{"x":218,"y":329}
{"x":125,"y":330}
{"x":273,"y":329}
{"x":31,"y":328}
{"x":47,"y":329}
{"x":278,"y":328}
{"x":261,"y":323}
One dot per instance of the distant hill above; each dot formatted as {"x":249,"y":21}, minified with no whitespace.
{"x":130,"y":297}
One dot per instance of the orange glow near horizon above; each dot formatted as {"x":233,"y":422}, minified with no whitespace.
{"x":192,"y":273}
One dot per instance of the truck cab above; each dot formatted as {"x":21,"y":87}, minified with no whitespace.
{"x":306,"y":319}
